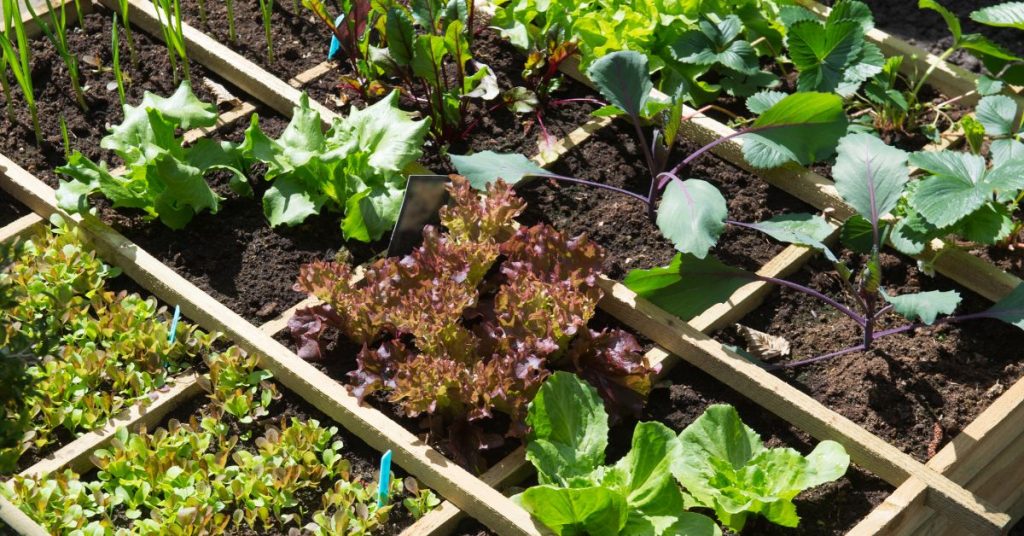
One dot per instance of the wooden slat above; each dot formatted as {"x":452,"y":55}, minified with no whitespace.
{"x":18,"y":521}
{"x":331,"y":397}
{"x":19,"y":227}
{"x":788,"y":402}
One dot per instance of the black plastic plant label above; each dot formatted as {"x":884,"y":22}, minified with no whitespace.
{"x":424,"y":197}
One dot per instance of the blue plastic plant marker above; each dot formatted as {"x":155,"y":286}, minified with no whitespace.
{"x":174,"y":324}
{"x":335,"y":44}
{"x":385,"y":479}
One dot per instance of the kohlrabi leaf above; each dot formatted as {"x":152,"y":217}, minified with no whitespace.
{"x":959,"y":184}
{"x":716,"y":43}
{"x":692,"y":215}
{"x":569,"y":430}
{"x":802,"y":128}
{"x":808,"y":230}
{"x":870,"y":175}
{"x":623,"y":78}
{"x":486,"y":167}
{"x":999,"y":115}
{"x":760,"y":102}
{"x":1007,"y":14}
{"x":594,"y":511}
{"x":924,"y":306}
{"x":725,"y":467}
{"x":688,"y":285}
{"x":1010,"y":309}
{"x":858,"y":234}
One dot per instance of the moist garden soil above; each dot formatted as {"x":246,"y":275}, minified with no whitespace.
{"x":496,"y":129}
{"x":234,"y":255}
{"x":300,"y":39}
{"x":620,"y":224}
{"x":55,"y":98}
{"x":10,"y":208}
{"x":915,"y":391}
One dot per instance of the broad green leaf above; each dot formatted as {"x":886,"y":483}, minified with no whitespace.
{"x":185,"y":192}
{"x":852,"y":10}
{"x":289,"y":201}
{"x":988,"y":85}
{"x":688,"y":285}
{"x":870,"y":175}
{"x":924,"y":306}
{"x":428,"y":56}
{"x":791,"y":15}
{"x":383,"y":131}
{"x":372,"y":212}
{"x":593,"y":511}
{"x":647,"y":466}
{"x":486,"y":167}
{"x":1007,"y":14}
{"x":623,"y":78}
{"x":569,"y":429}
{"x":808,"y":230}
{"x":761,"y":101}
{"x":401,"y":36}
{"x":912,"y":233}
{"x":802,"y":128}
{"x":822,"y":52}
{"x":1010,"y":309}
{"x":952,"y":22}
{"x":959,"y":184}
{"x":1005,"y":150}
{"x":999,"y":115}
{"x":827,"y":462}
{"x":991,"y":224}
{"x":990,"y":53}
{"x":716,"y":44}
{"x":857,"y":234}
{"x":692,"y":215}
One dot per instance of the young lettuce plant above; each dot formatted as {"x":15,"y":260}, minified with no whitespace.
{"x":355,"y":168}
{"x":719,"y":461}
{"x":803,"y":128}
{"x":871,"y":177}
{"x":471,"y":322}
{"x":163,"y":177}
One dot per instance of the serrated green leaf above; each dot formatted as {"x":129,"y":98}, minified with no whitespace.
{"x":688,"y":285}
{"x":569,"y":432}
{"x":486,"y":167}
{"x":988,"y":86}
{"x":912,"y":233}
{"x":959,"y":184}
{"x":808,"y":230}
{"x":387,"y":134}
{"x":1005,"y":150}
{"x":1007,"y":14}
{"x":715,"y":43}
{"x":692,"y":215}
{"x":1010,"y":309}
{"x":999,"y":115}
{"x":852,"y":10}
{"x":822,"y":52}
{"x":870,"y":175}
{"x":924,"y":306}
{"x":990,"y":225}
{"x":761,"y":101}
{"x":802,"y":128}
{"x":623,"y":78}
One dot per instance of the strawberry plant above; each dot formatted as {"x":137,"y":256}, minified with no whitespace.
{"x":83,"y":353}
{"x":872,"y":178}
{"x":355,"y":168}
{"x":449,"y":331}
{"x":717,"y":462}
{"x":162,"y":176}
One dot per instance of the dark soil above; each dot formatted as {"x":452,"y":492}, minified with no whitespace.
{"x":55,"y":97}
{"x":620,"y":224}
{"x":1010,"y":260}
{"x":496,"y":130}
{"x":364,"y":460}
{"x":915,"y":391}
{"x":300,"y":39}
{"x":10,"y":208}
{"x":235,"y":255}
{"x":927,"y":29}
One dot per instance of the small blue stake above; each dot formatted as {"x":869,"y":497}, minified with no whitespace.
{"x":335,"y":44}
{"x":385,"y":479}
{"x":174,"y":324}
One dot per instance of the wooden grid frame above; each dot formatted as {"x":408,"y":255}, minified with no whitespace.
{"x":972,"y":482}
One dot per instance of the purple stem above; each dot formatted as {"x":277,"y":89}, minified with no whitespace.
{"x":574,"y":180}
{"x":860,"y":320}
{"x":559,"y":102}
{"x":802,"y":362}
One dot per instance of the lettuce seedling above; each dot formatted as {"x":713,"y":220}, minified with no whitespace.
{"x":472,"y":321}
{"x":162,"y":176}
{"x":802,"y":128}
{"x":719,"y":461}
{"x":871,"y":177}
{"x":355,"y":168}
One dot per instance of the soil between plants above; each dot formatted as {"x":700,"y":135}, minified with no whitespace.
{"x":496,"y":130}
{"x":915,"y":391}
{"x":300,"y":39}
{"x":235,"y":255}
{"x":926,"y":29}
{"x":620,"y":224}
{"x":55,"y":97}
{"x":10,"y":208}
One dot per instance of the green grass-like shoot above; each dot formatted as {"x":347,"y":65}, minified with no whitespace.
{"x":266,"y":10}
{"x":115,"y":47}
{"x":57,"y":33}
{"x":19,"y":62}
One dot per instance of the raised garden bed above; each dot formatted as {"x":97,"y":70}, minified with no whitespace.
{"x":964,"y":486}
